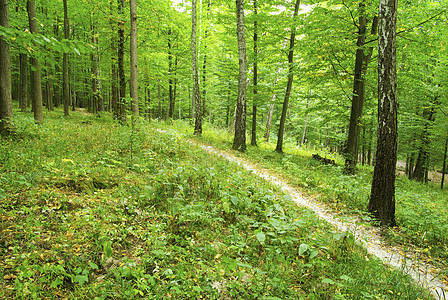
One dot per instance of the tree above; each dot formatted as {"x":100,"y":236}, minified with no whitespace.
{"x":279,"y":147}
{"x":253,"y":140}
{"x":121,"y":74}
{"x":5,"y":75}
{"x":239,"y":140}
{"x":66,"y":86}
{"x":35,"y":73}
{"x":382,"y":198}
{"x":362,"y":60}
{"x":134,"y":69}
{"x":194,"y":64}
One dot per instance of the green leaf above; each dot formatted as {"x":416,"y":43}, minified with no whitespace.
{"x":93,"y":265}
{"x":328,"y":281}
{"x":261,"y":237}
{"x":107,"y":248}
{"x":197,"y":288}
{"x":234,"y":200}
{"x":303,"y":248}
{"x":81,"y":279}
{"x":56,"y":282}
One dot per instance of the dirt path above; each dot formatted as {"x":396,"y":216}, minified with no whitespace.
{"x":369,"y":237}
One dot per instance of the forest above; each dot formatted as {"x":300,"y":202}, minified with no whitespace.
{"x":118,"y":120}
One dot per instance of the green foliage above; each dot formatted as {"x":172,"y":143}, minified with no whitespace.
{"x":170,"y":221}
{"x":420,"y":208}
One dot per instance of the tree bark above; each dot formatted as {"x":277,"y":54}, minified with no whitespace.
{"x":421,"y":164}
{"x":253,"y":140}
{"x":267,"y":133}
{"x":279,"y":147}
{"x":121,"y":74}
{"x":35,"y":74}
{"x":23,"y":93}
{"x":134,"y":63}
{"x":159,"y":98}
{"x":382,"y":198}
{"x":196,"y":92}
{"x":444,"y":164}
{"x":5,"y":76}
{"x":170,"y":79}
{"x":49,"y":85}
{"x":361,"y":63}
{"x":239,"y":141}
{"x":114,"y":73}
{"x":204,"y":65}
{"x":65,"y":78}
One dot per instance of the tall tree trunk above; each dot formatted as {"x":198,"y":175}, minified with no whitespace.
{"x":121,"y":74}
{"x":267,"y":133}
{"x":5,"y":75}
{"x":204,"y":65}
{"x":421,"y":164}
{"x":239,"y":141}
{"x":170,"y":79}
{"x":279,"y":147}
{"x":114,"y":73}
{"x":196,"y":92}
{"x":65,"y":78}
{"x":382,"y":198}
{"x":57,"y":71}
{"x":444,"y":164}
{"x":95,"y":71}
{"x":134,"y":64}
{"x":23,"y":93}
{"x":361,"y":63}
{"x":253,"y":140}
{"x":35,"y":74}
{"x":49,"y":86}
{"x":305,"y":123}
{"x":159,"y":98}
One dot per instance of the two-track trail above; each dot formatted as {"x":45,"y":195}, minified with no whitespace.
{"x":424,"y":274}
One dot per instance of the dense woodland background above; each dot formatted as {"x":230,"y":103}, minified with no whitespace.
{"x":132,"y":210}
{"x":327,"y":40}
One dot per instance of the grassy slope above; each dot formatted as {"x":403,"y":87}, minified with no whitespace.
{"x":83,"y":216}
{"x":421,"y":210}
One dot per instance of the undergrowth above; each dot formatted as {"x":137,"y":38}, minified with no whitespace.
{"x":421,"y":209}
{"x":93,"y":210}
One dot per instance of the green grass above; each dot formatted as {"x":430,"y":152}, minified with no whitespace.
{"x":421,"y":209}
{"x":85,"y":217}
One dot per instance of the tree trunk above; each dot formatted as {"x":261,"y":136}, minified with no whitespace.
{"x":65,"y":85}
{"x":35,"y":74}
{"x":121,"y":74}
{"x":422,"y":161}
{"x":361,"y":63}
{"x":382,"y":198}
{"x":279,"y":147}
{"x":5,"y":75}
{"x":267,"y":133}
{"x":159,"y":97}
{"x":114,"y":73}
{"x":95,"y":71}
{"x":204,"y":66}
{"x":134,"y":65}
{"x":170,"y":80}
{"x":444,"y":164}
{"x":49,"y":86}
{"x":196,"y":92}
{"x":23,"y":93}
{"x":239,"y":141}
{"x":253,"y":140}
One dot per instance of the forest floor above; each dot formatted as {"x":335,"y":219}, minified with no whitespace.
{"x":425,"y":274}
{"x":434,"y":176}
